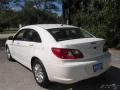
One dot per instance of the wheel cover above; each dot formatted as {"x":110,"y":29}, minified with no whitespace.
{"x":8,"y":53}
{"x":39,"y":75}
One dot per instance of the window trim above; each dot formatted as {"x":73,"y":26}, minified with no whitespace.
{"x":24,"y":32}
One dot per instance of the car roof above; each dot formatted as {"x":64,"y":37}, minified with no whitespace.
{"x":50,"y":26}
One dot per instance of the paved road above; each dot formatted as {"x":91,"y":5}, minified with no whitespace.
{"x":14,"y":76}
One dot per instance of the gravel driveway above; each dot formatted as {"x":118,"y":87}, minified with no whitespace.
{"x":13,"y":76}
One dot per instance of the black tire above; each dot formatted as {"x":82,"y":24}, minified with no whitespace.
{"x":42,"y":78}
{"x":9,"y":57}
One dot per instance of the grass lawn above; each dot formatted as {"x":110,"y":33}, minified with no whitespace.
{"x":8,"y":32}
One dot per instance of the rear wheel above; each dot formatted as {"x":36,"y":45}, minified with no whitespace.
{"x":40,"y":74}
{"x":9,"y":54}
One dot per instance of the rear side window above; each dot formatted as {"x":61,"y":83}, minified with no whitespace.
{"x":35,"y":36}
{"x":31,"y":35}
{"x":61,"y":34}
{"x":19,"y":35}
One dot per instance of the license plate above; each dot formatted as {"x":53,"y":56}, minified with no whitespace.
{"x":97,"y":67}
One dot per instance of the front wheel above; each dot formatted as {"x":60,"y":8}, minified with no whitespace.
{"x":40,"y":74}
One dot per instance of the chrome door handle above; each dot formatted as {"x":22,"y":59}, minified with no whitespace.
{"x":17,"y":43}
{"x":31,"y":45}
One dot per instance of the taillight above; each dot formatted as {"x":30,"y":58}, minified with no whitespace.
{"x":64,"y":53}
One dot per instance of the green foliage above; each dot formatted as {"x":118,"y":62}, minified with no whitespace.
{"x":100,"y":17}
{"x":28,"y":14}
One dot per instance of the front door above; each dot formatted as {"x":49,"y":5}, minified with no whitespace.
{"x":25,"y":45}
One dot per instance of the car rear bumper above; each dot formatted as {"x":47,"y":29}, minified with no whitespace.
{"x":72,"y":72}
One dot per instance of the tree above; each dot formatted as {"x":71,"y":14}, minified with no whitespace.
{"x":28,"y":14}
{"x":100,"y":17}
{"x":4,"y":4}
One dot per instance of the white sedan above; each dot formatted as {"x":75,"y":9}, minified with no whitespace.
{"x":58,"y":53}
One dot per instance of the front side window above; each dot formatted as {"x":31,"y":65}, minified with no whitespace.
{"x":61,"y":34}
{"x":28,"y":35}
{"x":19,"y":35}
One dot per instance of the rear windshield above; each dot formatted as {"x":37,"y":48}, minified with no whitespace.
{"x":61,"y":34}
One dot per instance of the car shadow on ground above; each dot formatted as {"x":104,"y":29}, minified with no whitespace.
{"x":107,"y":81}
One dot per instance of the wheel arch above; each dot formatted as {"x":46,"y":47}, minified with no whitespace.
{"x":32,"y":61}
{"x":6,"y":46}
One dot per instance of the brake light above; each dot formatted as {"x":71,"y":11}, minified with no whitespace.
{"x":64,"y":53}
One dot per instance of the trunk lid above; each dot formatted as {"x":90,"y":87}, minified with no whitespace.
{"x":90,"y":47}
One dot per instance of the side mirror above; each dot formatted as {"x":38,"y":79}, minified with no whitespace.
{"x":10,"y":38}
